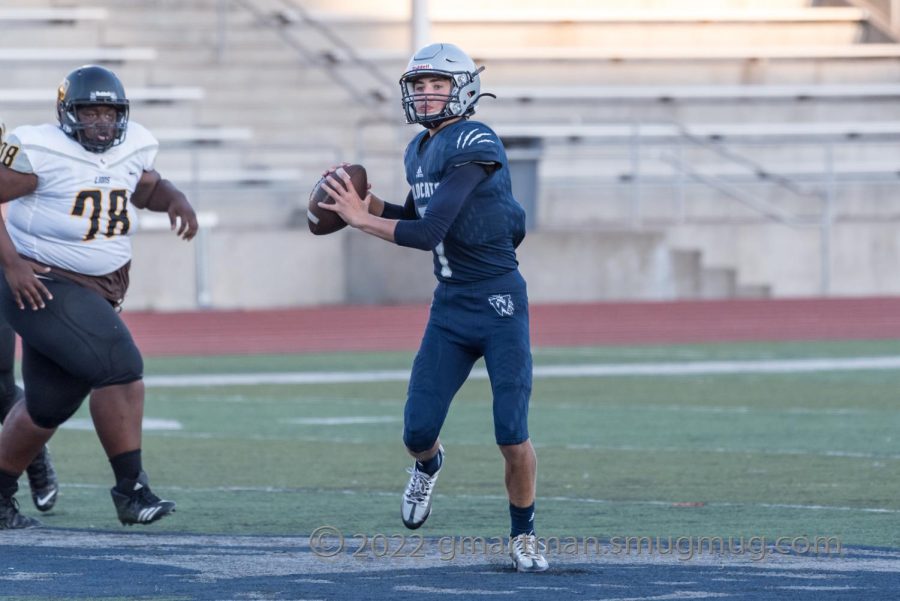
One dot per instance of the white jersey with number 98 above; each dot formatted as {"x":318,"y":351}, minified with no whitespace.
{"x":78,"y":216}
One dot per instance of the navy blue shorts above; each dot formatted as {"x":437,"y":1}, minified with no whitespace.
{"x":482,"y":319}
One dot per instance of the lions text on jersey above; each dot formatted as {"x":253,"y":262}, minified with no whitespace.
{"x":78,"y":217}
{"x":481,"y":243}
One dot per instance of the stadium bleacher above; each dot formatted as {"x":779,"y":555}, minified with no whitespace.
{"x":51,"y":15}
{"x":159,"y":94}
{"x":68,"y":55}
{"x":621,"y":85}
{"x":676,"y":93}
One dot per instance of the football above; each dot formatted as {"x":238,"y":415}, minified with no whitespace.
{"x":322,"y":221}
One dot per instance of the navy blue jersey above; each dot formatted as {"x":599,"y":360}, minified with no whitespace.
{"x":481,"y":242}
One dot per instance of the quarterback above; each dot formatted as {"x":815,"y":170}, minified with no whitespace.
{"x":65,"y":254}
{"x":461,"y":208}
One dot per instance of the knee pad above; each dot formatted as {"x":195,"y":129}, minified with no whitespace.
{"x":511,"y":414}
{"x":50,"y":413}
{"x":418,"y":440}
{"x":125,"y":366}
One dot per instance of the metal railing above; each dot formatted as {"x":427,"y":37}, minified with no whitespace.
{"x":695,"y":164}
{"x":362,"y":79}
{"x":882,"y":19}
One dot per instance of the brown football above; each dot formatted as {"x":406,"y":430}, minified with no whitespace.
{"x":322,"y":221}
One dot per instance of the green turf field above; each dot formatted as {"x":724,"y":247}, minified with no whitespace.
{"x":794,"y":454}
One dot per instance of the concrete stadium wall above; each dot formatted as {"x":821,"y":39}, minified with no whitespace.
{"x":268,"y":268}
{"x":284,"y":268}
{"x":863,"y":256}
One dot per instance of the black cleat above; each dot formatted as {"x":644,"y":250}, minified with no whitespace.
{"x":139,"y":505}
{"x":11,"y":519}
{"x":42,"y":479}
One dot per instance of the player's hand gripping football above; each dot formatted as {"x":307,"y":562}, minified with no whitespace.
{"x":25,"y":286}
{"x":347,"y":203}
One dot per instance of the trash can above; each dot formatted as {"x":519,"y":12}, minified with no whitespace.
{"x":524,"y":154}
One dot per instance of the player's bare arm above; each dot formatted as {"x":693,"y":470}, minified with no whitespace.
{"x":160,"y":195}
{"x":19,"y":273}
{"x":14,"y":184}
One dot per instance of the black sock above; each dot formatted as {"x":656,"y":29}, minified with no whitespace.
{"x":521,"y":520}
{"x":9,"y":484}
{"x":126,"y":466}
{"x":430,"y":466}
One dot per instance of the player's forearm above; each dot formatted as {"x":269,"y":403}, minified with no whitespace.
{"x":8,"y":252}
{"x":378,"y":227}
{"x":376,"y":206}
{"x":15,"y":185}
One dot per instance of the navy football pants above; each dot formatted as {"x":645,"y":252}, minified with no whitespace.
{"x":468,"y":321}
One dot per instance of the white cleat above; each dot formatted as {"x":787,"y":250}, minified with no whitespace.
{"x":523,"y":549}
{"x":416,"y":504}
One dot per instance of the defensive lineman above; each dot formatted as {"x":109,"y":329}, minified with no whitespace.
{"x":65,"y":255}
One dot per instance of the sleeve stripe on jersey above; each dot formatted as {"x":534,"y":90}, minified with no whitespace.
{"x":469,"y":140}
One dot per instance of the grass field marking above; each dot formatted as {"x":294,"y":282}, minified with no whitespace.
{"x":723,"y":450}
{"x":688,"y":368}
{"x":574,"y":447}
{"x":560,"y":499}
{"x":736,"y":410}
{"x":149,"y":424}
{"x":350,"y":420}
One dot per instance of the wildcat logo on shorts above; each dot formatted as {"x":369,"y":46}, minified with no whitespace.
{"x":502,"y":304}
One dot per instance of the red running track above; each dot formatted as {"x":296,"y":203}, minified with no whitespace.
{"x":364,"y":328}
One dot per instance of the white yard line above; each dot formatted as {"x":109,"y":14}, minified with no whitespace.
{"x":598,"y":370}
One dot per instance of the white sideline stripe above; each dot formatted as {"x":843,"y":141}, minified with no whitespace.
{"x":149,"y":423}
{"x":723,"y":450}
{"x":714,"y":504}
{"x":598,"y":370}
{"x":574,"y":447}
{"x":341,"y":421}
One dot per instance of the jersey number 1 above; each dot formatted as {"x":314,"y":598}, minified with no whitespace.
{"x":117,"y":222}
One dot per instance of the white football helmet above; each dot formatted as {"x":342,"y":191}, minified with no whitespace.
{"x":442,"y":60}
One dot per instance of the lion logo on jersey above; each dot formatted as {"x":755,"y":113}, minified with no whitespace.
{"x":502,"y":304}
